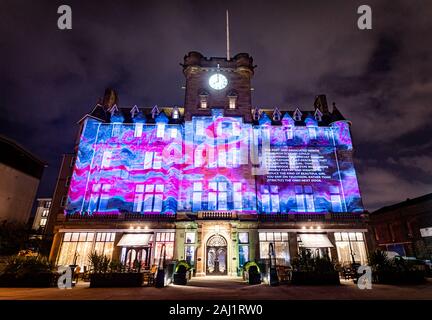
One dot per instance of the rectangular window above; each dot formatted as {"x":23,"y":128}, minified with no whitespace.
{"x":217,"y":196}
{"x":190,"y":237}
{"x":243,"y":254}
{"x":45,"y":213}
{"x":243,"y":237}
{"x":166,"y":238}
{"x":43,"y":222}
{"x":222,"y":159}
{"x":237,"y":195}
{"x":173,"y":133}
{"x":305,"y":199}
{"x":336,"y":203}
{"x":312,"y":133}
{"x":350,"y":246}
{"x":138,"y":130}
{"x":236,"y":129}
{"x":190,"y":254}
{"x":289,"y":133}
{"x":106,"y":159}
{"x":77,"y":246}
{"x":280,"y":245}
{"x":68,"y":180}
{"x":148,"y":198}
{"x":197,"y":196}
{"x":335,"y":199}
{"x":199,"y":127}
{"x":270,"y":199}
{"x":63,"y":201}
{"x":157,"y":161}
{"x":160,"y":130}
{"x":139,"y":197}
{"x":148,"y":160}
{"x":116,"y":129}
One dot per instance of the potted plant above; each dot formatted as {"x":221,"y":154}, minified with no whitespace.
{"x":252,"y":272}
{"x":181,"y":272}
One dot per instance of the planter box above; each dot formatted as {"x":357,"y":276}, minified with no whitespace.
{"x":394,"y":277}
{"x":38,"y":280}
{"x":252,"y":278}
{"x":110,"y":280}
{"x":181,"y":278}
{"x":313,"y":278}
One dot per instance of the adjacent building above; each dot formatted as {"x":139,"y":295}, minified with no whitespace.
{"x":41,"y":216}
{"x":405,"y":228}
{"x":214,"y":182}
{"x":20,"y":173}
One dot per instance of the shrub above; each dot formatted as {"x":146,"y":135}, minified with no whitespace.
{"x":379,"y":261}
{"x":306,"y":263}
{"x":182,"y":266}
{"x":99,"y":263}
{"x":250,"y":264}
{"x":24,"y":265}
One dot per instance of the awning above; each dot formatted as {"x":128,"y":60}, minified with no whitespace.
{"x":311,"y":240}
{"x":135,"y":240}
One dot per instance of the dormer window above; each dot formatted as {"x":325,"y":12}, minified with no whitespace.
{"x":232,"y":99}
{"x":203,"y":97}
{"x":318,"y":115}
{"x":203,"y":102}
{"x":155,"y":112}
{"x":255,"y":114}
{"x":232,"y":102}
{"x":175,"y":113}
{"x":297,"y":115}
{"x":276,"y":114}
{"x":134,"y":111}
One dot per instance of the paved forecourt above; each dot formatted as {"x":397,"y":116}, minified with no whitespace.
{"x":219,"y":288}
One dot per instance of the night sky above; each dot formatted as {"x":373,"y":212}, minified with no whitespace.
{"x":380,"y":79}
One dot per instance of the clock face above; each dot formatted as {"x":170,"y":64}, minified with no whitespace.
{"x":218,"y":81}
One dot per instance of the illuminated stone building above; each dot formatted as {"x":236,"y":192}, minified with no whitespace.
{"x":216,"y":180}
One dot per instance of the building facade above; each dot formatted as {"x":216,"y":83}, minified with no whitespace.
{"x":405,"y":228}
{"x":20,"y":173}
{"x":214,"y":182}
{"x":41,"y":216}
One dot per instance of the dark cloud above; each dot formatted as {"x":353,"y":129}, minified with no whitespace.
{"x":380,"y":79}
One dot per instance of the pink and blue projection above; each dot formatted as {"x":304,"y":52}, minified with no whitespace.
{"x":213,"y":163}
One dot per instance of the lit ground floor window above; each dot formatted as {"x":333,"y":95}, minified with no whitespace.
{"x":350,"y":247}
{"x":167,"y":239}
{"x":280,"y":243}
{"x":77,"y":246}
{"x":318,"y":244}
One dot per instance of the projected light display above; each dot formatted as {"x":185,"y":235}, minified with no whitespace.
{"x":213,"y":163}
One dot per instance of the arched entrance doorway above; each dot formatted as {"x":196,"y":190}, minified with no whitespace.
{"x":216,"y":249}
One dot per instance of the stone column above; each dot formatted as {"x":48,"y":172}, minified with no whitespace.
{"x":55,"y":248}
{"x":293,"y":245}
{"x":333,"y":250}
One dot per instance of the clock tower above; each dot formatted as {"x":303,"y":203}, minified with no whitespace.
{"x":218,"y":83}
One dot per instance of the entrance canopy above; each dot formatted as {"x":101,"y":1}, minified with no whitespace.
{"x":135,"y":240}
{"x":313,"y":240}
